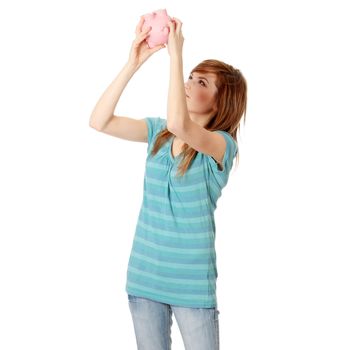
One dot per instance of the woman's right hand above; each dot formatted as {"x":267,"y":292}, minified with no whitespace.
{"x":140,"y":51}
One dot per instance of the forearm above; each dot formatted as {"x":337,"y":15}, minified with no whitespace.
{"x":177,"y":113}
{"x":105,"y":106}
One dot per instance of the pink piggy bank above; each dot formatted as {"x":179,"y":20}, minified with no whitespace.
{"x":159,"y":33}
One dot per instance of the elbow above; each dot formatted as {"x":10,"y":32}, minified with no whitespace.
{"x":170,"y":127}
{"x":176,"y":128}
{"x":94,"y":126}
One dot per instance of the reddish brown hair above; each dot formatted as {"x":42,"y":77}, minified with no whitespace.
{"x":231,"y":104}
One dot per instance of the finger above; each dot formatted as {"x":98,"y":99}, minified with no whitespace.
{"x":145,"y":32}
{"x":177,"y":20}
{"x":171,"y":25}
{"x":178,"y":24}
{"x":139,"y":25}
{"x":147,"y":29}
{"x":141,"y":37}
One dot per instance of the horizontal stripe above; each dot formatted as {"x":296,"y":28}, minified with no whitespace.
{"x":183,"y":296}
{"x":190,"y":267}
{"x":170,"y":226}
{"x":167,"y":280}
{"x":156,"y":215}
{"x":182,"y":213}
{"x":183,"y":197}
{"x":164,"y":271}
{"x":164,"y":223}
{"x":179,"y":188}
{"x":172,"y":288}
{"x":174,"y":234}
{"x":175,"y":204}
{"x":190,"y":192}
{"x":200,"y":240}
{"x":172,"y":257}
{"x":157,"y":166}
{"x":187,"y":179}
{"x":174,"y":250}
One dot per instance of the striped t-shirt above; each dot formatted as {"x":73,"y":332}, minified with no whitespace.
{"x":173,"y":258}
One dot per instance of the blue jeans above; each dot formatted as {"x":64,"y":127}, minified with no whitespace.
{"x":199,"y":327}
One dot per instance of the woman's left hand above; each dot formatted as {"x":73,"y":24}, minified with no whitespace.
{"x":175,"y":39}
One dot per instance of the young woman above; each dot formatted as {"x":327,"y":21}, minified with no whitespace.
{"x":172,"y":265}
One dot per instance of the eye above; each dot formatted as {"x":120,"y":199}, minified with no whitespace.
{"x":201,"y":81}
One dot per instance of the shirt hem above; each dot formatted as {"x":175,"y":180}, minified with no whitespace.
{"x":165,"y":300}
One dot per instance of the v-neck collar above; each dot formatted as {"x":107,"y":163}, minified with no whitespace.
{"x":173,"y":158}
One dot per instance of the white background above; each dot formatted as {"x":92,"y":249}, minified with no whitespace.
{"x":70,"y":196}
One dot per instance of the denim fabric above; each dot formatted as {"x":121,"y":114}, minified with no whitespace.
{"x":199,"y":327}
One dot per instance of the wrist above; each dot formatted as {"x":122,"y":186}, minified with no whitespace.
{"x":131,"y":67}
{"x":176,"y":57}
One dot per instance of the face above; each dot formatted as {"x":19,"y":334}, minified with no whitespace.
{"x":201,"y":95}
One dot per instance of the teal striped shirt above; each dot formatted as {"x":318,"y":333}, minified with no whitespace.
{"x":173,"y":258}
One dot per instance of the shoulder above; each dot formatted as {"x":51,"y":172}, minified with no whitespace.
{"x":230,"y":142}
{"x":154,"y":126}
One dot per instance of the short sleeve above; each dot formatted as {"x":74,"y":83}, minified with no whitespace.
{"x":220,"y":175}
{"x":154,"y":126}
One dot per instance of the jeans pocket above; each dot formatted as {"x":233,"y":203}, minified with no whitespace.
{"x":217,"y":312}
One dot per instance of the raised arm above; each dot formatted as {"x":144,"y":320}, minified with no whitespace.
{"x":102,"y":117}
{"x":104,"y":109}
